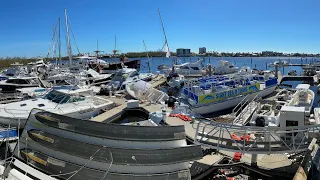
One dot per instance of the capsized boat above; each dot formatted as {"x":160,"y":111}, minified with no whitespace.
{"x":78,"y":103}
{"x":124,"y":76}
{"x":142,"y":90}
{"x":175,"y":80}
{"x":211,"y":94}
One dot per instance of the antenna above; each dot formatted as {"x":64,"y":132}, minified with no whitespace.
{"x":115,"y":46}
{"x":147,"y":56}
{"x":97,"y":51}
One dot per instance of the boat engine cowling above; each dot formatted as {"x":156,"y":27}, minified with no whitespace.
{"x":260,"y":122}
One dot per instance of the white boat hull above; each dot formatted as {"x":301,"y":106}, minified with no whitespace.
{"x":142,"y":90}
{"x":14,"y":122}
{"x":214,"y":107}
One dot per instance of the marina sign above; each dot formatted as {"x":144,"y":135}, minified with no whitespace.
{"x":214,"y":97}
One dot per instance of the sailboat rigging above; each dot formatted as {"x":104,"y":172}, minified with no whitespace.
{"x":149,"y":70}
{"x":166,"y":45}
{"x":68,"y":38}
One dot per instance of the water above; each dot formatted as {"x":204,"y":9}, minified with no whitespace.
{"x":257,"y":62}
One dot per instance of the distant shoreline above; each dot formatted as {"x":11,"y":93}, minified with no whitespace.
{"x":5,"y":62}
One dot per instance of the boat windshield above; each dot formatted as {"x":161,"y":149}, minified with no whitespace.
{"x":57,"y":97}
{"x":120,"y":76}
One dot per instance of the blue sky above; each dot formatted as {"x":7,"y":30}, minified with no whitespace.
{"x":219,"y":25}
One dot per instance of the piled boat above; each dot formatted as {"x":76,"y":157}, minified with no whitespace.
{"x":144,"y":91}
{"x":53,"y":146}
{"x":292,"y":109}
{"x":78,"y":103}
{"x":211,"y":94}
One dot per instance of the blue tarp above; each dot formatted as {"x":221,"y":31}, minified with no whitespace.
{"x":271,"y":82}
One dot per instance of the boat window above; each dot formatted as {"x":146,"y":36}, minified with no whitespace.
{"x":76,"y":99}
{"x":34,"y":81}
{"x":195,"y":68}
{"x":134,"y":74}
{"x":22,"y":81}
{"x":184,"y":67}
{"x":291,"y":123}
{"x":13,"y":81}
{"x":57,"y":97}
{"x":120,"y":76}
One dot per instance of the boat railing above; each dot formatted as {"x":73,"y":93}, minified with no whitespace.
{"x":236,"y":110}
{"x":11,"y":97}
{"x":247,"y":111}
{"x":15,"y":112}
{"x":255,"y":140}
{"x":244,"y":108}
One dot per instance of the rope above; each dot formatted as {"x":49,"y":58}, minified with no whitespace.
{"x":73,"y":37}
{"x":91,"y":157}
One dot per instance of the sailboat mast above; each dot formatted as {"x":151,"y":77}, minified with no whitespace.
{"x":147,"y":56}
{"x":164,"y":32}
{"x":59,"y":41}
{"x":97,"y":51}
{"x":54,"y":55}
{"x":68,"y":38}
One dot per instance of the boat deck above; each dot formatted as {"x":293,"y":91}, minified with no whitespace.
{"x":120,"y":104}
{"x":157,"y":80}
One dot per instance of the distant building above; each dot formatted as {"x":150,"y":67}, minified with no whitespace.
{"x":183,"y":52}
{"x":202,"y":50}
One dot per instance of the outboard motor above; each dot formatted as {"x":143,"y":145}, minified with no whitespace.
{"x":260,"y":122}
{"x":171,"y":101}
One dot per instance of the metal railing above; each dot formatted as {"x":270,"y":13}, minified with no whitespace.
{"x":255,"y":140}
{"x":246,"y":107}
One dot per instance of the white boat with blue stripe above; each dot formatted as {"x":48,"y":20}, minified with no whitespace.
{"x":211,"y":94}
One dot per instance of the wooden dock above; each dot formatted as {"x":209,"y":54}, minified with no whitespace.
{"x":120,"y":104}
{"x":157,"y":80}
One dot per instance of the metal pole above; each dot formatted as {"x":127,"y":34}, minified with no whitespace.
{"x":147,"y":56}
{"x":266,"y":66}
{"x":164,"y":32}
{"x":68,"y":38}
{"x":59,"y":42}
